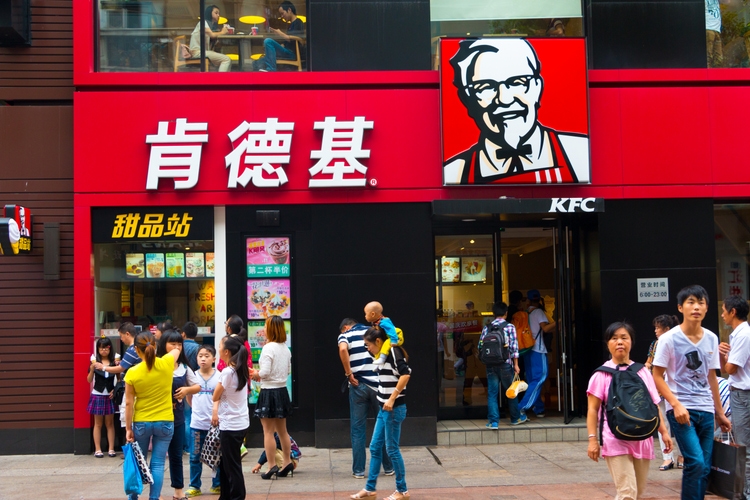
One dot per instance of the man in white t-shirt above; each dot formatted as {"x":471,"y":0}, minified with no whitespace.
{"x":689,"y":355}
{"x":735,"y":359}
{"x":535,"y":360}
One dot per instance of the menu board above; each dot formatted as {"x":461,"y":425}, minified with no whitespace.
{"x":473,"y":269}
{"x":135,"y":266}
{"x":267,"y":257}
{"x":256,"y":337}
{"x":210,"y":265}
{"x":154,"y":265}
{"x":268,"y":298}
{"x":175,"y":265}
{"x":194,"y":265}
{"x":450,"y":269}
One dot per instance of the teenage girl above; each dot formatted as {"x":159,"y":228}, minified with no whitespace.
{"x":172,"y":340}
{"x":230,"y":413}
{"x":100,"y":402}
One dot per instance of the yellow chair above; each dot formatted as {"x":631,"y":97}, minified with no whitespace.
{"x":179,"y":61}
{"x":298,"y":42}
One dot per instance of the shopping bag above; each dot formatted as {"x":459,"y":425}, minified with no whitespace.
{"x":140,"y":460}
{"x":211,"y":451}
{"x":727,"y":476}
{"x":516,"y":388}
{"x":450,"y":372}
{"x":130,"y":473}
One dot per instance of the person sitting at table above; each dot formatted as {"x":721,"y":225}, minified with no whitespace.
{"x":286,"y":49}
{"x":216,"y":58}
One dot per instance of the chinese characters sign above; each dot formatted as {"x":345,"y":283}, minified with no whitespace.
{"x":129,"y":224}
{"x":733,"y":277}
{"x":267,"y":257}
{"x":653,"y":289}
{"x":260,"y":153}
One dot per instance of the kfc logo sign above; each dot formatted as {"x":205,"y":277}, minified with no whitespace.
{"x":570,"y":205}
{"x":260,"y":151}
{"x":515,"y":111}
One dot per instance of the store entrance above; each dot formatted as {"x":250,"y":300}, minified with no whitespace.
{"x":476,"y":267}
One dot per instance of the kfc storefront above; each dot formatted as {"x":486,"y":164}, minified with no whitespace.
{"x":435,"y":194}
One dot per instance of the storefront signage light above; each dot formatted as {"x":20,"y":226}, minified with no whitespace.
{"x":15,"y":230}
{"x":570,"y":205}
{"x":259,"y":151}
{"x":148,"y":224}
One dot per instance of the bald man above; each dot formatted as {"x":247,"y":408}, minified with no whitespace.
{"x":500,"y":83}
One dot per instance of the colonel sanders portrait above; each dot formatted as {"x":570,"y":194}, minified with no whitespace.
{"x":500,"y":83}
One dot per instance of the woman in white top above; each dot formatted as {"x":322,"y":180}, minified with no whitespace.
{"x":231,"y":415}
{"x":216,"y":58}
{"x":273,"y":405}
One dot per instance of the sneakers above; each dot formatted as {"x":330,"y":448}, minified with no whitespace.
{"x":358,"y":475}
{"x":389,"y":472}
{"x":192,"y":492}
{"x":216,"y":490}
{"x":491,"y":426}
{"x":540,"y":415}
{"x":243,"y":452}
{"x":522,"y":420}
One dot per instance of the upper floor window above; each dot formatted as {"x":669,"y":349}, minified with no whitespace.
{"x":479,"y":18}
{"x":727,"y":33}
{"x":165,"y":35}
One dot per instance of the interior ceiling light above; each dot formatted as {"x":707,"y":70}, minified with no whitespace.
{"x":468,"y":220}
{"x":471,"y":241}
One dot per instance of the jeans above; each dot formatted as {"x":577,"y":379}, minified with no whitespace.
{"x":188,"y":441}
{"x":175,"y":457}
{"x":160,"y":435}
{"x":196,"y":467}
{"x":740,"y":404}
{"x":497,"y":377}
{"x":696,"y":441}
{"x":387,"y":431}
{"x":361,"y":399}
{"x":274,"y":50}
{"x":536,"y":374}
{"x":230,"y":473}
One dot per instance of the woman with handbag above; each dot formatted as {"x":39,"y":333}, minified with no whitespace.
{"x":148,"y":406}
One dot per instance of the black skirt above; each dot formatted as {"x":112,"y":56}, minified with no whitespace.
{"x":273,"y":403}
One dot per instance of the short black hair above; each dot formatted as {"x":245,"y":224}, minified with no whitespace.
{"x":736,"y":302}
{"x":347,"y":322}
{"x":612,"y":329}
{"x":696,"y":291}
{"x":500,"y":309}
{"x":208,"y":347}
{"x":515,"y":296}
{"x":287,"y":5}
{"x":128,"y":328}
{"x":190,"y":330}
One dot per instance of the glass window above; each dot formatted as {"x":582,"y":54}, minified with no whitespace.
{"x":149,"y":282}
{"x":732,"y":228}
{"x":164,"y":35}
{"x":475,"y":18}
{"x":727,"y":34}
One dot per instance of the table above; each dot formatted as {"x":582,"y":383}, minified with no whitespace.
{"x":245,"y":46}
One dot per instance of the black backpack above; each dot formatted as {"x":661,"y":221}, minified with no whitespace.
{"x":631,"y":413}
{"x":495,"y":349}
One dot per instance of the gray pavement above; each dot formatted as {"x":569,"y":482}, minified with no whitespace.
{"x":556,"y":471}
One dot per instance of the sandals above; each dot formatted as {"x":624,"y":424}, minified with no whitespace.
{"x":112,"y":453}
{"x":397,"y":495}
{"x":99,"y":454}
{"x":364,"y":494}
{"x":680,"y":465}
{"x":668,"y":466}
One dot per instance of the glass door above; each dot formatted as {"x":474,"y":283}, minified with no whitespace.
{"x":564,"y":311}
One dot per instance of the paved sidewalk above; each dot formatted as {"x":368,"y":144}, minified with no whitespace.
{"x":554,"y":471}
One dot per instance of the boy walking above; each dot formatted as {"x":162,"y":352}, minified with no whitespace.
{"x":689,"y":355}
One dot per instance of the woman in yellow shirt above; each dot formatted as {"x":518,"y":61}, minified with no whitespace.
{"x":148,"y":405}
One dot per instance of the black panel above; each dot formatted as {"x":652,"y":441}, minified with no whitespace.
{"x":635,"y":244}
{"x":417,"y":431}
{"x":353,"y":35}
{"x":646,"y":34}
{"x":344,"y":256}
{"x":38,"y":441}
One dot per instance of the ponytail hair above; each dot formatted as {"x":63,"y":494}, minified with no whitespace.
{"x":236,"y":346}
{"x":145,"y":343}
{"x":666,"y":321}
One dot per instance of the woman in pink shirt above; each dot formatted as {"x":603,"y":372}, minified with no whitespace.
{"x":628,"y":461}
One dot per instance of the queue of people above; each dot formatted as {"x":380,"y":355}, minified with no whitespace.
{"x":164,"y":373}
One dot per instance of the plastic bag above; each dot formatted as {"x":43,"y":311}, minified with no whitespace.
{"x":130,"y":473}
{"x":211,"y":452}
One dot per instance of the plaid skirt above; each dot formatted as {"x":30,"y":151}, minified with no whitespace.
{"x":100,"y":405}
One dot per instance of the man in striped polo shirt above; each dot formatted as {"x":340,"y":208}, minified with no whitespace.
{"x":363,"y":385}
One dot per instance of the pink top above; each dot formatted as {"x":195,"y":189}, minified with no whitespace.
{"x":221,"y":364}
{"x":599,"y":388}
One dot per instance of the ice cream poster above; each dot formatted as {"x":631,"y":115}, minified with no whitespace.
{"x":268,"y":297}
{"x":256,"y":337}
{"x":268,"y":257}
